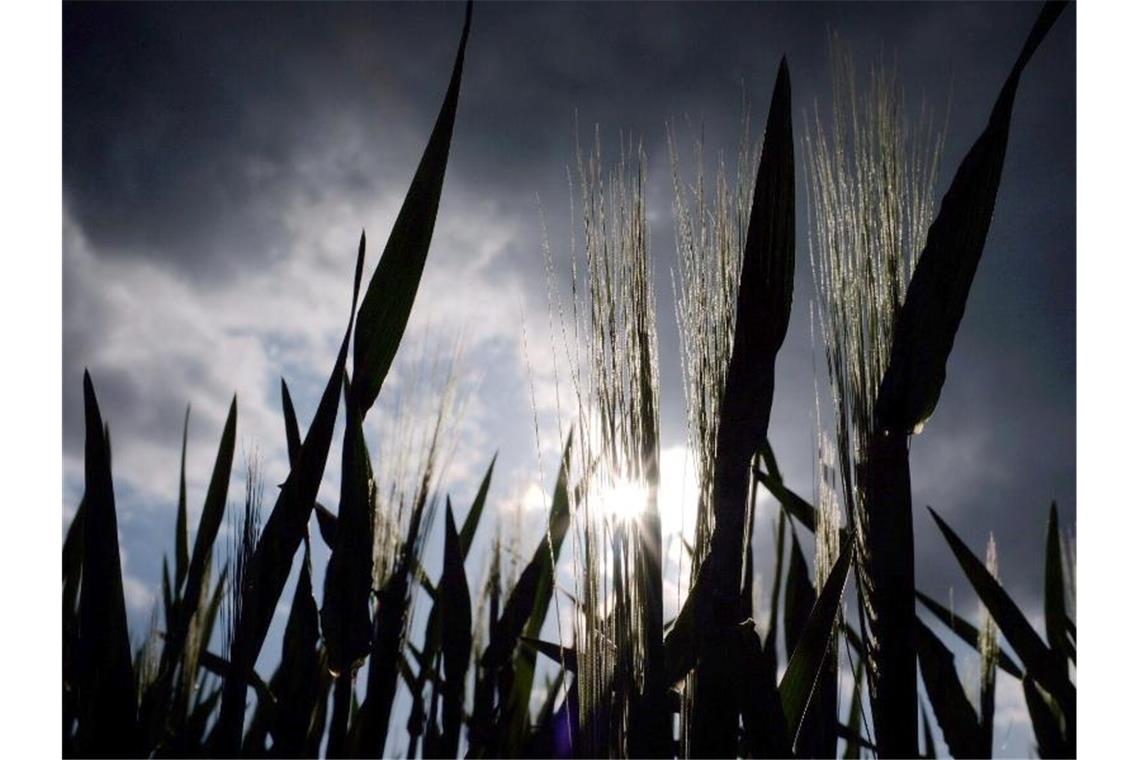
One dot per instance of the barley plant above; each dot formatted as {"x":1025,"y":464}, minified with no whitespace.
{"x":469,"y":653}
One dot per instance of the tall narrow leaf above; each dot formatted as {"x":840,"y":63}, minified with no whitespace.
{"x":805,"y":662}
{"x":1038,"y":660}
{"x":106,"y":678}
{"x":960,"y":725}
{"x":1055,"y":614}
{"x":181,"y":544}
{"x":392,"y":291}
{"x":345,"y":617}
{"x":282,"y":535}
{"x":937,"y":294}
{"x":456,"y":620}
{"x":762,"y":310}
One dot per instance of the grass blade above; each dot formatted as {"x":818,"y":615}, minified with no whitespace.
{"x":960,"y":725}
{"x":565,"y":657}
{"x":1037,"y":658}
{"x":326,"y":524}
{"x":471,"y":522}
{"x":346,"y":620}
{"x":392,"y":290}
{"x":456,"y":620}
{"x":282,"y":535}
{"x":765,"y":731}
{"x":805,"y":662}
{"x":211,"y":520}
{"x":292,"y":430}
{"x":1055,"y":615}
{"x":967,"y":632}
{"x":762,"y":310}
{"x":854,"y":727}
{"x":1046,"y":725}
{"x":936,"y":297}
{"x":799,"y":596}
{"x":105,"y":676}
{"x":181,"y":544}
{"x":528,"y":602}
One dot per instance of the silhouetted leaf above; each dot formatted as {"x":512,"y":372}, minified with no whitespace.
{"x":471,"y":522}
{"x":392,"y":291}
{"x":528,"y":602}
{"x":960,"y":725}
{"x":1046,"y":727}
{"x":765,"y":731}
{"x":763,"y":306}
{"x":220,"y":666}
{"x":208,"y":524}
{"x":181,"y":543}
{"x":346,"y":620}
{"x":1018,"y":632}
{"x":805,"y":662}
{"x":292,"y":430}
{"x":1055,"y":615}
{"x":106,"y":681}
{"x":929,"y":750}
{"x":853,"y":733}
{"x":456,"y":627}
{"x":936,"y":297}
{"x":967,"y":632}
{"x":566,"y":657}
{"x":297,"y":682}
{"x":286,"y":527}
{"x":326,"y":525}
{"x":799,"y":596}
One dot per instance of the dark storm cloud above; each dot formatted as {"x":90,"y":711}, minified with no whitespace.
{"x":188,"y":127}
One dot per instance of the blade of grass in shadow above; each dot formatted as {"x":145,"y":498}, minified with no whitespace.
{"x":282,"y":535}
{"x":924,"y":332}
{"x":565,"y":657}
{"x":1039,"y":663}
{"x":297,"y":682}
{"x":952,"y":708}
{"x":524,"y":613}
{"x":106,"y":679}
{"x":292,"y":430}
{"x":471,"y":522}
{"x":936,"y":297}
{"x":762,"y":310}
{"x":1046,"y":725}
{"x":186,"y":600}
{"x":799,"y":596}
{"x":326,"y":524}
{"x":456,"y":645}
{"x":929,"y":750}
{"x":805,"y":662}
{"x":967,"y":632}
{"x":528,"y":602}
{"x":765,"y":731}
{"x":369,"y":731}
{"x":1055,"y":614}
{"x":777,"y":582}
{"x":392,"y":290}
{"x":346,"y":620}
{"x":854,"y":726}
{"x":432,"y":630}
{"x":181,"y":543}
{"x":72,"y":575}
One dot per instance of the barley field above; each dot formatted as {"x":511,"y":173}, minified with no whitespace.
{"x":472,"y":512}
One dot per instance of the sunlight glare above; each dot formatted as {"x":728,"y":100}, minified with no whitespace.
{"x":624,"y":499}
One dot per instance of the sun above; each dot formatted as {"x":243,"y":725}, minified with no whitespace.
{"x":624,"y":499}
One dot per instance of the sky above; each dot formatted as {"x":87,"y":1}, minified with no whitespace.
{"x":220,"y":161}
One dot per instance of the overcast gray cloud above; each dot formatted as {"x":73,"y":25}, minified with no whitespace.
{"x":220,"y":161}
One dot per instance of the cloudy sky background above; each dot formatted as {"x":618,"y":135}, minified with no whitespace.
{"x":220,"y":161}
